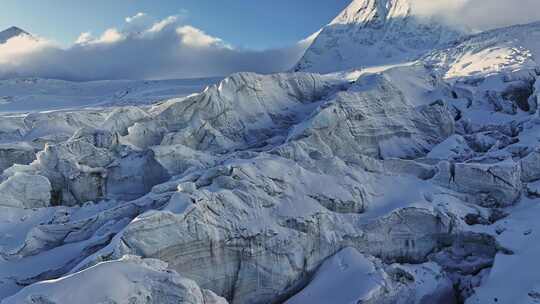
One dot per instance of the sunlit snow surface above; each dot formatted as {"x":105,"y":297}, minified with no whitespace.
{"x":406,"y":182}
{"x":35,"y":94}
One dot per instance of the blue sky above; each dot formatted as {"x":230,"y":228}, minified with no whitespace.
{"x":256,"y":24}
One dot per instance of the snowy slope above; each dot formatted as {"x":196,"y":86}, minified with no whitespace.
{"x":350,"y":277}
{"x":130,"y":280}
{"x":372,"y":33}
{"x":498,"y":51}
{"x":35,"y":94}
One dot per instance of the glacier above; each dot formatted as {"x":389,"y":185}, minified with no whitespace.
{"x":398,"y":162}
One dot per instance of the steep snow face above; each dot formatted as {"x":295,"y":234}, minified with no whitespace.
{"x":501,"y":51}
{"x":246,"y":109}
{"x":374,"y":32}
{"x":496,"y":69}
{"x":377,"y":112}
{"x":384,"y":114}
{"x":12,"y":32}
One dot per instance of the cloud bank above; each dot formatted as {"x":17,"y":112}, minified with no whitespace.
{"x":481,"y":14}
{"x":141,"y":50}
{"x":149,"y":49}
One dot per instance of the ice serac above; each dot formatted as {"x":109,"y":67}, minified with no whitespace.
{"x":413,"y":184}
{"x":128,"y":280}
{"x":245,"y":110}
{"x":25,"y":191}
{"x":383,"y":116}
{"x":12,"y":32}
{"x":271,"y":175}
{"x":350,"y":277}
{"x":16,"y":153}
{"x":372,"y":33}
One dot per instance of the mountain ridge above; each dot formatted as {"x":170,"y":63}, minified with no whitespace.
{"x":12,"y":32}
{"x":375,"y":32}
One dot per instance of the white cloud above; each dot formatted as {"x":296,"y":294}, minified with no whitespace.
{"x":195,"y":37}
{"x":436,"y":7}
{"x":481,"y":14}
{"x":162,"y":49}
{"x":486,"y":14}
{"x":161,"y":25}
{"x":85,"y":37}
{"x":169,"y":48}
{"x":16,"y":49}
{"x":110,"y":36}
{"x":136,"y":17}
{"x":138,"y":23}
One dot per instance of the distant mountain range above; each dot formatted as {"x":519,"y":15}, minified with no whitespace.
{"x":11,"y":33}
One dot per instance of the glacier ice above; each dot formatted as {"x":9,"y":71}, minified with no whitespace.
{"x":413,"y":182}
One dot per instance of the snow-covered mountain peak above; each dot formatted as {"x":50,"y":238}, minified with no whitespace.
{"x":374,"y":33}
{"x":11,"y":33}
{"x":366,"y":11}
